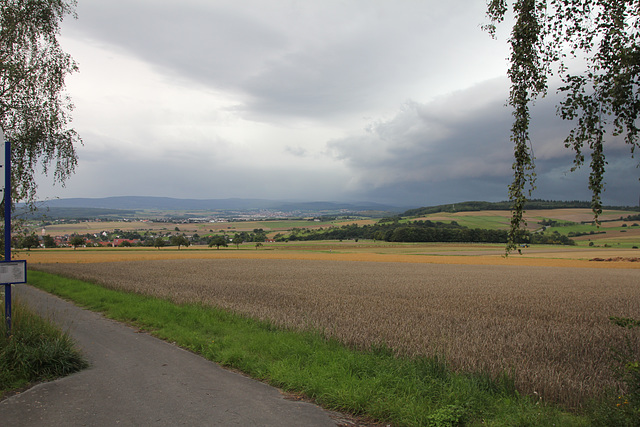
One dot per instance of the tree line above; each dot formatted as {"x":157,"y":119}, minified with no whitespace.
{"x":423,"y":231}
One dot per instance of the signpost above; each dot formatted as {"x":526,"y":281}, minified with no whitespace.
{"x":10,"y":271}
{"x":2,"y":164}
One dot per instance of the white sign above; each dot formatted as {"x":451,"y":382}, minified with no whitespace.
{"x":13,"y":272}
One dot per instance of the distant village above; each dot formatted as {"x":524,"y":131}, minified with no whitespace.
{"x":133,"y":238}
{"x":148,"y":238}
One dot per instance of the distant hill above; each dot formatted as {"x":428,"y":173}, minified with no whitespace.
{"x":505,"y":205}
{"x":232,"y":204}
{"x":53,"y":213}
{"x":159,"y":203}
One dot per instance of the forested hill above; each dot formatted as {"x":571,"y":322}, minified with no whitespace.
{"x":505,"y":205}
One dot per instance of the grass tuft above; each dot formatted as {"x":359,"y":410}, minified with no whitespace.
{"x":35,"y":351}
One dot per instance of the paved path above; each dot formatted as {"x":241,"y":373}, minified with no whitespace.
{"x":138,"y":380}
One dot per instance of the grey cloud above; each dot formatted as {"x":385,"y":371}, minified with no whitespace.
{"x":208,"y":42}
{"x":291,"y":58}
{"x":296,"y":151}
{"x":198,"y":179}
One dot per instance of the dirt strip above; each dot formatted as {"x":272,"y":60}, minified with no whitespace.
{"x":534,"y":259}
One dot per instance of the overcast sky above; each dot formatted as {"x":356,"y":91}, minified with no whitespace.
{"x":398,"y":102}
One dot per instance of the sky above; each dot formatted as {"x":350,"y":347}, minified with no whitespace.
{"x":395,"y":102}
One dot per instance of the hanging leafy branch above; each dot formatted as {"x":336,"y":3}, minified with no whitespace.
{"x":34,"y":110}
{"x":602,"y":37}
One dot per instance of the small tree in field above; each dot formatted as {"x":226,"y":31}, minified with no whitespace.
{"x":76,"y":241}
{"x":218,"y":241}
{"x":180,"y":241}
{"x":158,"y":242}
{"x":30,"y":241}
{"x":48,"y":241}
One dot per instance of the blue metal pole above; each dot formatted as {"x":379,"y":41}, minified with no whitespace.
{"x":7,"y":230}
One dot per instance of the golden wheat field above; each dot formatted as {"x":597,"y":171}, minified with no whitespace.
{"x":438,"y":253}
{"x":547,"y":325}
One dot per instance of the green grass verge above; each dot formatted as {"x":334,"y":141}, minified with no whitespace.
{"x":35,"y":351}
{"x":401,"y":391}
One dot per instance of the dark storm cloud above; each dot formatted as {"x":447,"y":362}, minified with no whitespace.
{"x":462,"y":136}
{"x":458,"y":148}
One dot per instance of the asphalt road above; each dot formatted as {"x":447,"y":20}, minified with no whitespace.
{"x":138,"y":380}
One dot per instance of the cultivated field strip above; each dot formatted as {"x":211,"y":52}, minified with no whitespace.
{"x":549,"y":326}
